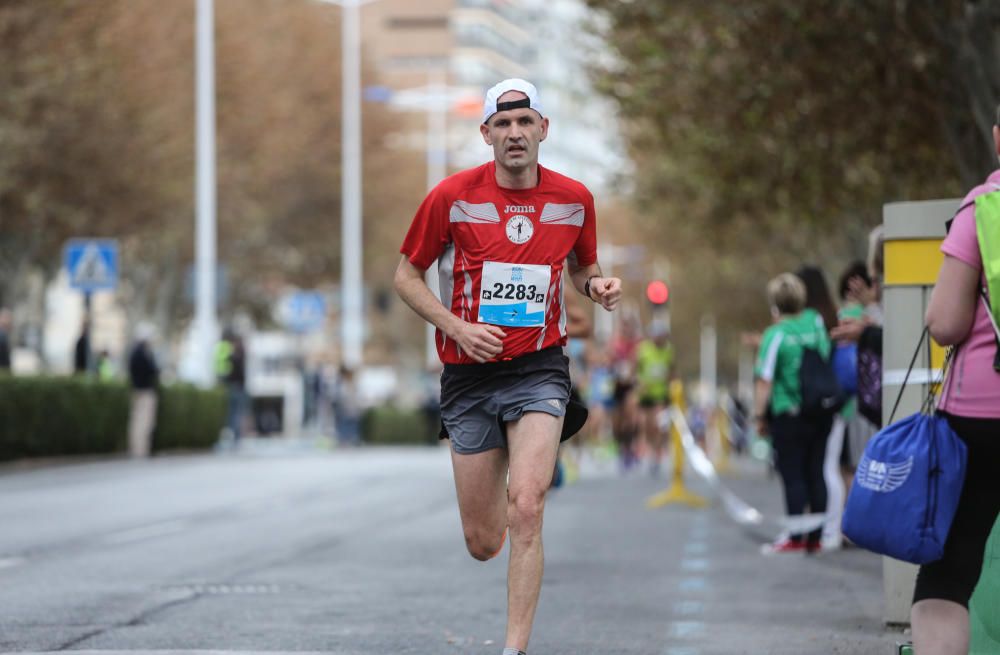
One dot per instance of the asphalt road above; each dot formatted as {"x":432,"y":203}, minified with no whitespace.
{"x":359,"y":552}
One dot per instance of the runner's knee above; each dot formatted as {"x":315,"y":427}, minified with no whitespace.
{"x":483,"y":544}
{"x":525,"y":508}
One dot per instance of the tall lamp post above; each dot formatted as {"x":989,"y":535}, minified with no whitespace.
{"x":206,"y":327}
{"x":434,"y":98}
{"x":350,"y":233}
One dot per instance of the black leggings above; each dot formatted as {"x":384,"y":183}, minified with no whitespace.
{"x":800,"y":447}
{"x":954,"y":576}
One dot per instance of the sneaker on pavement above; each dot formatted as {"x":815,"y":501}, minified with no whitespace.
{"x":783,"y":546}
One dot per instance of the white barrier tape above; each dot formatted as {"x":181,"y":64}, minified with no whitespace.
{"x":735,"y":507}
{"x":917,"y":376}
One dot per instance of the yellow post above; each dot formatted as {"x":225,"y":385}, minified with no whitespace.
{"x":722,"y":465}
{"x":676,"y":492}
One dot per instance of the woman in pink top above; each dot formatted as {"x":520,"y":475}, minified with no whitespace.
{"x":971,"y":401}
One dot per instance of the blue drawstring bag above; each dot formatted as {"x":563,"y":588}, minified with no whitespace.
{"x":907,"y":486}
{"x":845,"y":366}
{"x":906,"y":490}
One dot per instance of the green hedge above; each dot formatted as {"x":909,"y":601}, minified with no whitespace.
{"x":394,"y":425}
{"x":188,"y":417}
{"x":61,"y":416}
{"x":45,"y":415}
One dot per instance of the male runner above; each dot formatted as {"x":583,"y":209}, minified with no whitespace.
{"x":654,"y":360}
{"x":501,"y":234}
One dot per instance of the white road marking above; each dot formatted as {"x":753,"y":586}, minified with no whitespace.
{"x":10,"y":562}
{"x":693,"y":584}
{"x":683,"y":629}
{"x":144,"y":532}
{"x":698,"y":565}
{"x":183,"y":652}
{"x":688,"y":607}
{"x":682,"y":650}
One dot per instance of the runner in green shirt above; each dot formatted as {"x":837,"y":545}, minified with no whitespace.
{"x":654,"y":361}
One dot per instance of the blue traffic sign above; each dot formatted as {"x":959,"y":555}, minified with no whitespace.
{"x":303,"y":311}
{"x":92,"y":264}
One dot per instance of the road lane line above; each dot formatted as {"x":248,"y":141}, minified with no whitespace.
{"x":694,"y":565}
{"x":693,"y":584}
{"x":695,"y":548}
{"x":686,"y":629}
{"x":144,"y":532}
{"x":688,"y":607}
{"x":682,"y":650}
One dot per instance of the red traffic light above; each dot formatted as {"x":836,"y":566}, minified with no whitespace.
{"x":657,"y":292}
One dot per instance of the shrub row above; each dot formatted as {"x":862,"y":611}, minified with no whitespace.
{"x":43,"y":416}
{"x":188,"y":417}
{"x":396,"y":425}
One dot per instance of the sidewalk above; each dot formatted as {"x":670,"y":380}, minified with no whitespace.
{"x":721,"y":595}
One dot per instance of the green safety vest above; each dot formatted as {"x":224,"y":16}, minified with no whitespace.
{"x":653,"y":370}
{"x":223,"y":358}
{"x":988,"y":233}
{"x":105,"y":371}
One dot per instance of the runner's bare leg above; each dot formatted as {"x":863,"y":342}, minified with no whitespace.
{"x":533,"y":443}
{"x":481,"y":484}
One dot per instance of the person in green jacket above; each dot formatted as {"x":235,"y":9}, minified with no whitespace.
{"x":799,"y":441}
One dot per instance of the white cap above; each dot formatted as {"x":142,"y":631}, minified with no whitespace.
{"x":513,"y":84}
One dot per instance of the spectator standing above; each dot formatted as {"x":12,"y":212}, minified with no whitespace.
{"x":104,"y":366}
{"x":144,"y":378}
{"x":5,"y":323}
{"x":81,"y":353}
{"x":230,"y":367}
{"x":799,"y":440}
{"x":867,"y":333}
{"x":347,"y":408}
{"x":818,"y":297}
{"x":856,"y":296}
{"x":963,"y":312}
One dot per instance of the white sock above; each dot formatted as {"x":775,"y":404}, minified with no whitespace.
{"x":513,"y":651}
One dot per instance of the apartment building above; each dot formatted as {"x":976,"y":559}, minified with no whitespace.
{"x":468,"y":45}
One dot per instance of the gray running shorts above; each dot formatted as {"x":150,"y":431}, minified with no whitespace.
{"x":477,"y":400}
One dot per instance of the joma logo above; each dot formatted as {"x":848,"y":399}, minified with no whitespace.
{"x":519,"y":209}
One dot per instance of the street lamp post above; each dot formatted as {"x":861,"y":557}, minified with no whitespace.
{"x":205,"y":326}
{"x":434,"y":98}
{"x":350,"y":239}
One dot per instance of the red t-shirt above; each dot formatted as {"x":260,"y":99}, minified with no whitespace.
{"x":500,"y":253}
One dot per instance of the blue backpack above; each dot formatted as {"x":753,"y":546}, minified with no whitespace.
{"x":845,"y":365}
{"x":907,"y":487}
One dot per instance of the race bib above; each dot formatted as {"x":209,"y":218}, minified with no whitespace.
{"x":514,"y":294}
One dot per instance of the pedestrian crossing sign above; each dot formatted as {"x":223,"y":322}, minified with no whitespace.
{"x":92,"y":264}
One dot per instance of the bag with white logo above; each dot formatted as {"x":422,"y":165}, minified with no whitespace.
{"x":907,"y":486}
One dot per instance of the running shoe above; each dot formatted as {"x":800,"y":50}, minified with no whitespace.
{"x":783,"y":546}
